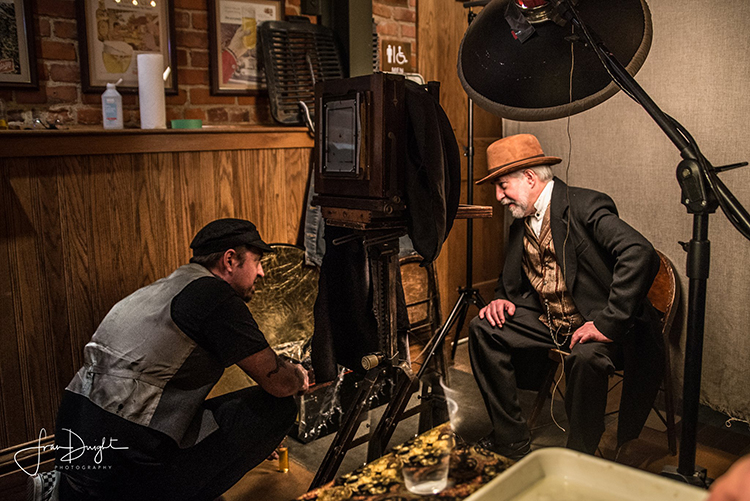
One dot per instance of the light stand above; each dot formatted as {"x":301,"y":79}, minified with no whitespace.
{"x":702,"y":193}
{"x":468,"y":295}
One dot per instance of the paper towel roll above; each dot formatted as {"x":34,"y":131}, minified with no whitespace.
{"x":151,"y":91}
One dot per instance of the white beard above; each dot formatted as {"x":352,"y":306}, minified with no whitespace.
{"x":518,"y":210}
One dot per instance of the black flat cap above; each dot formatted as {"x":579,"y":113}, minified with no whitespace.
{"x":223,"y":234}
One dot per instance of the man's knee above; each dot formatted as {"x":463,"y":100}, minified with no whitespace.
{"x":481,"y":334}
{"x":278,"y":416}
{"x":590,"y":357}
{"x":477,"y":331}
{"x":475,"y":327}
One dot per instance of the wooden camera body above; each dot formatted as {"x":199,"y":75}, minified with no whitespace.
{"x":360,"y":148}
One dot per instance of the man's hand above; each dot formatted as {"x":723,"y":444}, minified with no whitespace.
{"x":496,"y":310}
{"x":304,"y":378}
{"x":279,"y":377}
{"x":587,"y":332}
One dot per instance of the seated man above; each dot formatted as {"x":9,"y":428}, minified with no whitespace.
{"x":134,"y":422}
{"x":576,"y":278}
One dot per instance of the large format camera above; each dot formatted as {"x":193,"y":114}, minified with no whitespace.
{"x":360,"y":149}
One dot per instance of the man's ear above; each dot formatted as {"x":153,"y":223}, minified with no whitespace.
{"x":229,"y":260}
{"x":530,"y":176}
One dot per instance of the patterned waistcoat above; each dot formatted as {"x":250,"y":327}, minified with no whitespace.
{"x":547,"y":278}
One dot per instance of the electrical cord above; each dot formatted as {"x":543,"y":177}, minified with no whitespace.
{"x":565,"y":243}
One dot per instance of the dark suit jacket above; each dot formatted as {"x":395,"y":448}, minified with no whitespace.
{"x":608,"y":268}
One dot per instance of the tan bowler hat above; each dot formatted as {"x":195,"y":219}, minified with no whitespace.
{"x":513,"y":153}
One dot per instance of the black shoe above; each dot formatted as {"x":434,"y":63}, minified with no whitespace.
{"x":513,"y":451}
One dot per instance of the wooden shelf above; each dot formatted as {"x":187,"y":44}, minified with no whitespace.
{"x":96,"y":141}
{"x":473,"y":211}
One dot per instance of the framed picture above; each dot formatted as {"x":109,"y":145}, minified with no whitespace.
{"x":17,"y":42}
{"x":111,"y":34}
{"x":233,"y":35}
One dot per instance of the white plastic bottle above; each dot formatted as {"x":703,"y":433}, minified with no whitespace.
{"x":112,"y":107}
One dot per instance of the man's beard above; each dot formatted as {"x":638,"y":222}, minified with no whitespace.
{"x":518,"y":210}
{"x":249,"y":294}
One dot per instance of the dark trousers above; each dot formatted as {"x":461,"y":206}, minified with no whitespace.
{"x":515,"y":355}
{"x":251,"y":425}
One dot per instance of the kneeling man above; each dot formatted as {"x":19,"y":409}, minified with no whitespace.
{"x":134,"y":422}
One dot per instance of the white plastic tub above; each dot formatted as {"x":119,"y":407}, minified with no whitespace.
{"x":555,"y":474}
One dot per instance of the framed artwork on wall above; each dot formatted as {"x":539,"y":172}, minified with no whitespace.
{"x":111,"y":34}
{"x":233,"y":44}
{"x":17,"y":45}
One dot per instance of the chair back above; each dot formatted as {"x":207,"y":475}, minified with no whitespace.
{"x":665,"y":292}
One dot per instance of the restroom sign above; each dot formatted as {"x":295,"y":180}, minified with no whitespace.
{"x":395,"y":57}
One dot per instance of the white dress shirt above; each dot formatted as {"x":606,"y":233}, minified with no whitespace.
{"x":541,"y":204}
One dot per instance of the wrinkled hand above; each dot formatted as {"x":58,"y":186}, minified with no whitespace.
{"x":734,"y":485}
{"x":587,"y":332}
{"x":495,"y":312}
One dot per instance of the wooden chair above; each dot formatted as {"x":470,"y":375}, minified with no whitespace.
{"x":423,"y":306}
{"x":422,"y":299}
{"x":664,"y":296}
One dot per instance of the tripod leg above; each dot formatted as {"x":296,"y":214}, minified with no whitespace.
{"x":475,"y":299}
{"x":433,"y":397}
{"x":459,"y":326}
{"x":438,"y":338}
{"x":478,"y":299}
{"x":345,"y":435}
{"x":407,"y":384}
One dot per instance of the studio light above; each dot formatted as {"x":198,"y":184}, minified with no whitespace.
{"x":531,"y":80}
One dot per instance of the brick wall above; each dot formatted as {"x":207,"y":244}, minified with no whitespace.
{"x":397,"y":20}
{"x":60,"y":96}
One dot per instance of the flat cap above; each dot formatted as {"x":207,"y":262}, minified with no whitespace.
{"x":223,"y":234}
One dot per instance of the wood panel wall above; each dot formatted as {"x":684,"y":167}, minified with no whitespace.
{"x":441,"y":25}
{"x":78,"y":232}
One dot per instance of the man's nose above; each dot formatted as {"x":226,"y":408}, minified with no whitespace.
{"x":260,"y":271}
{"x":499,"y":193}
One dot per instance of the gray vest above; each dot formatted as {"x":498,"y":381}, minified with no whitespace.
{"x":140,"y":366}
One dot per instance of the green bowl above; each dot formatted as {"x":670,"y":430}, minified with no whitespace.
{"x":187,"y":124}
